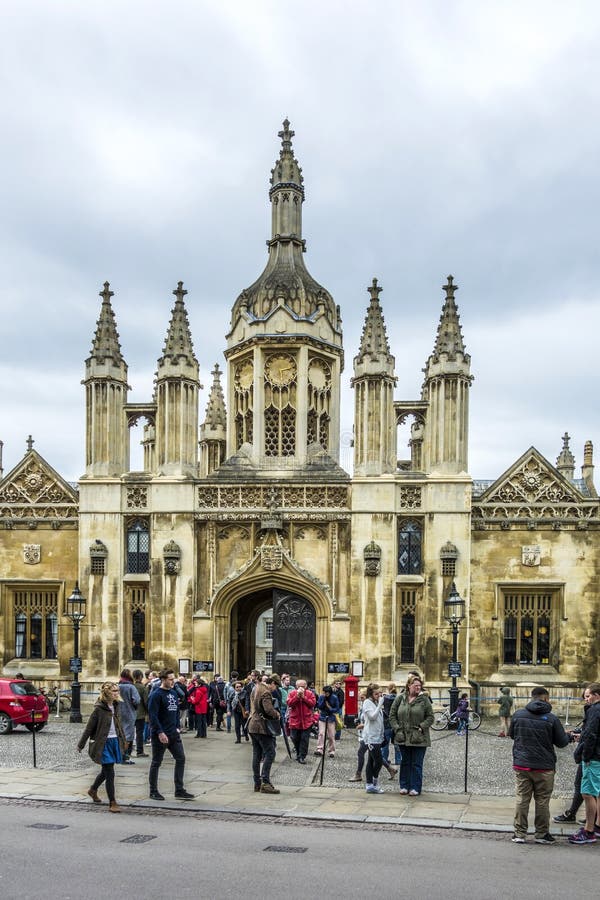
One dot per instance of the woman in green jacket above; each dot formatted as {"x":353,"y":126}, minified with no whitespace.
{"x":107,"y":741}
{"x":411,"y":717}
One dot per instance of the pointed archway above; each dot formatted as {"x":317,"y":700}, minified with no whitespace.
{"x":254,"y":590}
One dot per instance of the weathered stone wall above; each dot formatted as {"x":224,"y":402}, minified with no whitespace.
{"x":57,"y":567}
{"x":569,"y":562}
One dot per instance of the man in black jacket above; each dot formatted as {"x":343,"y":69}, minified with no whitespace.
{"x":217,"y":700}
{"x":536,"y":731}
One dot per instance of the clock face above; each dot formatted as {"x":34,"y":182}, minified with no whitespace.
{"x":245,"y":374}
{"x":319,"y":374}
{"x":280,"y":369}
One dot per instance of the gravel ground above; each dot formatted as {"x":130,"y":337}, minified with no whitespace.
{"x":489,"y":765}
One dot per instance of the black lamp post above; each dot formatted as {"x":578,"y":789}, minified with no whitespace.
{"x":76,"y":612}
{"x":454,"y":613}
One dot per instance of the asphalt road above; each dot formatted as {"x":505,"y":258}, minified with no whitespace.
{"x":200,"y":856}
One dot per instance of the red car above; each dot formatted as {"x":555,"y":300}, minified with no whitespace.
{"x":21,"y":703}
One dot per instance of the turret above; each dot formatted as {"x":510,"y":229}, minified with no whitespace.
{"x":446,"y":390}
{"x":565,"y":462}
{"x":284,"y":350}
{"x":107,"y":435}
{"x":213,"y":431}
{"x":373,"y":383}
{"x":176,"y":396}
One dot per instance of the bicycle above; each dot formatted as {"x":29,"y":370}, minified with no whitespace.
{"x":63,"y":697}
{"x":443,"y":718}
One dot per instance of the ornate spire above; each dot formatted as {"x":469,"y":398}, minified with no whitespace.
{"x":285,"y":279}
{"x":215,"y":408}
{"x":374,"y":342}
{"x":178,"y":347}
{"x":374,"y":381}
{"x":449,"y":337}
{"x":105,"y":344}
{"x":565,"y":461}
{"x":286,"y":172}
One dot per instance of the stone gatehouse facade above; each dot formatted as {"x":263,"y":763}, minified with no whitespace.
{"x":242,"y":540}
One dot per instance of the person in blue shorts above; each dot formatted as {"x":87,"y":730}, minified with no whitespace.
{"x":588,"y":751}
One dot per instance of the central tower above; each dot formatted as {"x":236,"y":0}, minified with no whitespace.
{"x":284,"y":349}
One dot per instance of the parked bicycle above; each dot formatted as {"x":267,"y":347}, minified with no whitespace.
{"x":54,"y":696}
{"x":443,"y":718}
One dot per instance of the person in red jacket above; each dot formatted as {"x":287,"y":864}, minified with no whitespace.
{"x":301,"y":705}
{"x":198,"y":697}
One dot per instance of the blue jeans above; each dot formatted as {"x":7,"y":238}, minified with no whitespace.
{"x":388,"y":735}
{"x":411,"y":768}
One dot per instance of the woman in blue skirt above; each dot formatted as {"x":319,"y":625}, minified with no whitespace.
{"x":107,"y":741}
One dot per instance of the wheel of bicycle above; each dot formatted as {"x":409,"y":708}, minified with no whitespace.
{"x":65,"y":702}
{"x":440,"y":721}
{"x":474,"y":721}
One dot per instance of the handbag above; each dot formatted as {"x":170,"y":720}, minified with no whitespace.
{"x":339,"y":722}
{"x":273,"y":726}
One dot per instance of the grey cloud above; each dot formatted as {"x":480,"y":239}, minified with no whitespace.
{"x":137,"y":146}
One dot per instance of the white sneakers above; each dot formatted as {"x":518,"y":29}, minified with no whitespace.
{"x":374,"y":789}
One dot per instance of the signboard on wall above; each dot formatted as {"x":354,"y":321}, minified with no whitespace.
{"x":204,"y":665}
{"x":338,"y":668}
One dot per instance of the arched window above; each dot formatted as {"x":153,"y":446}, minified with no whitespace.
{"x":410,"y":539}
{"x":138,"y":547}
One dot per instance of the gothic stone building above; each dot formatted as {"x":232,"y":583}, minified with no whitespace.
{"x":255,"y":546}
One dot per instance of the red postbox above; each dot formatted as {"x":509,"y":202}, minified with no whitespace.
{"x":351,"y":704}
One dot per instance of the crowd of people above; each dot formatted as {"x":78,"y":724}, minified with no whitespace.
{"x":154,"y":708}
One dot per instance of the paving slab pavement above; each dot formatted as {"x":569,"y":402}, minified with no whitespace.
{"x":218,"y":772}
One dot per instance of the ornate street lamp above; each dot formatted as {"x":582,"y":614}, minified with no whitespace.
{"x":76,"y":606}
{"x":454,"y":613}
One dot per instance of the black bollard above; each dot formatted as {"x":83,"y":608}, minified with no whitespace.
{"x":466,"y":754}
{"x":33,"y":737}
{"x":322,"y":766}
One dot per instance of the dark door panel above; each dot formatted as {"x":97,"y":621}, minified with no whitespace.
{"x":293,"y":635}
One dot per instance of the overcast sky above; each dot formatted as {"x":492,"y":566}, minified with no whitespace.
{"x":435,"y":137}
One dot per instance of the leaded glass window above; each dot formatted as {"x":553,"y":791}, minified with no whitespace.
{"x":138,"y":547}
{"x":527,"y":628}
{"x":410,"y":540}
{"x":36,"y":624}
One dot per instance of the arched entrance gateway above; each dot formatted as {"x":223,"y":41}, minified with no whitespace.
{"x":300,"y":621}
{"x":275,"y":629}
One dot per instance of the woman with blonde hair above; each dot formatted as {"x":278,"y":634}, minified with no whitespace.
{"x":411,"y":717}
{"x":107,"y":741}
